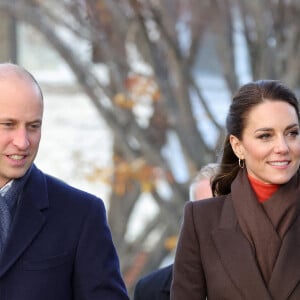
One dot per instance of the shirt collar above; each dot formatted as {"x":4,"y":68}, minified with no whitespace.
{"x":6,"y":188}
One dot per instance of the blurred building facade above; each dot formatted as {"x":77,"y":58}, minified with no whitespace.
{"x":8,"y":37}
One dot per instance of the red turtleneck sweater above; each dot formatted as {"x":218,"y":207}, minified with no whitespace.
{"x":262,"y":190}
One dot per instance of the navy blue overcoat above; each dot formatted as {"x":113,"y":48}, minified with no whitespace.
{"x":60,"y":246}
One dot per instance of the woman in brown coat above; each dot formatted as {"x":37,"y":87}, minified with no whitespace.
{"x":245,"y":242}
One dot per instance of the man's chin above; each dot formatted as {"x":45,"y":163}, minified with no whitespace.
{"x":16,"y":174}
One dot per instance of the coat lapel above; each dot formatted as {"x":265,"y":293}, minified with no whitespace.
{"x":28,"y":221}
{"x":286,"y":272}
{"x":237,"y":256}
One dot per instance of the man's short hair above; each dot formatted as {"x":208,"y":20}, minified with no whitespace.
{"x":206,"y":172}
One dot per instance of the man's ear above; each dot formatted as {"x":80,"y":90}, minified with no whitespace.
{"x":236,"y":146}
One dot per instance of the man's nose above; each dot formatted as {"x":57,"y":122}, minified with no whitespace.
{"x":21,"y":139}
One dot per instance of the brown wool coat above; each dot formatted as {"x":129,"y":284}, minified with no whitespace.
{"x":215,"y":261}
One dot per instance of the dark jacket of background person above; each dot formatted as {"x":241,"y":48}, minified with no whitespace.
{"x":155,"y":286}
{"x":47,"y":257}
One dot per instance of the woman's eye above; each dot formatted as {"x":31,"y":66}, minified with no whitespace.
{"x":264,"y":136}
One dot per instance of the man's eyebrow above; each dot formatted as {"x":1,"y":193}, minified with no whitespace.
{"x":7,"y":119}
{"x":35,"y":121}
{"x":293,"y":125}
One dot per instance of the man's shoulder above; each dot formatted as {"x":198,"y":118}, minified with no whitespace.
{"x":61,"y":191}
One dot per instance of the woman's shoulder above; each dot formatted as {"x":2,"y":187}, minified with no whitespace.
{"x":207,"y":204}
{"x":205,"y":211}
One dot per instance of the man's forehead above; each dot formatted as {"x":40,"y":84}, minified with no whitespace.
{"x":14,"y":75}
{"x":10,"y":69}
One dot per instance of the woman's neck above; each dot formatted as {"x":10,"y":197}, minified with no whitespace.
{"x":262,"y":190}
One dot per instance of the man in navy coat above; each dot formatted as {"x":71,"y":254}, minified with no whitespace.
{"x":55,"y":243}
{"x":157,"y":284}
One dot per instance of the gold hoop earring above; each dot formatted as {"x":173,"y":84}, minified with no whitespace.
{"x":241,"y":163}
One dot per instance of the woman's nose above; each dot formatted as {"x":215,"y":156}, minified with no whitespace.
{"x":281,"y":145}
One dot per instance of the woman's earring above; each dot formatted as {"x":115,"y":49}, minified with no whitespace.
{"x":241,"y":163}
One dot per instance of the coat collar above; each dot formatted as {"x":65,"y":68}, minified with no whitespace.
{"x":239,"y":261}
{"x":286,"y":273}
{"x":28,"y":221}
{"x":237,"y":256}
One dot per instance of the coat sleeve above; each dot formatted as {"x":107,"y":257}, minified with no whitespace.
{"x":97,"y":271}
{"x":188,"y":277}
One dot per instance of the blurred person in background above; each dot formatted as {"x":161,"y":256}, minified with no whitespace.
{"x":55,"y":243}
{"x":157,"y":285}
{"x":244,"y":242}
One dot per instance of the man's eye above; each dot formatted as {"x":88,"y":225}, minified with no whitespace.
{"x":294,"y":133}
{"x":6,"y":124}
{"x":35,"y":126}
